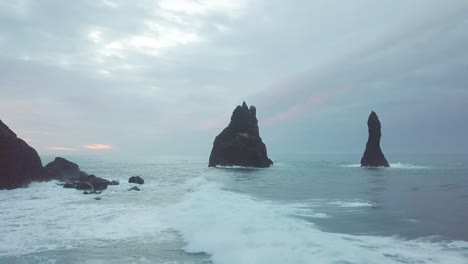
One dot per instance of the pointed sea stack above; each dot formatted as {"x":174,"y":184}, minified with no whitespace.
{"x":240,"y":144}
{"x":19,"y":163}
{"x":373,"y":155}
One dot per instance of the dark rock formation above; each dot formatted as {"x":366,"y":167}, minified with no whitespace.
{"x":134,"y":188}
{"x":373,"y":155}
{"x":136,"y":179}
{"x":114,"y":183}
{"x":63,"y":170}
{"x":69,"y":185}
{"x":240,"y":144}
{"x":97,"y":183}
{"x":92,"y":192}
{"x":19,"y":163}
{"x":83,"y":186}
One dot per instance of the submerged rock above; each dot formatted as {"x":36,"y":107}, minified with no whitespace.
{"x":63,"y":170}
{"x":19,"y":163}
{"x":373,"y":155}
{"x":92,"y":192}
{"x":134,"y":188}
{"x":240,"y":144}
{"x":114,"y":183}
{"x":136,"y":179}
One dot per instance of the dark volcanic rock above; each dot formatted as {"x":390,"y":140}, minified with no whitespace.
{"x":240,"y":144}
{"x":19,"y":163}
{"x":69,"y":185}
{"x":83,"y":186}
{"x":63,"y":170}
{"x":92,"y":192}
{"x":136,"y":179}
{"x":373,"y":155}
{"x":114,"y":183}
{"x":96,"y":182}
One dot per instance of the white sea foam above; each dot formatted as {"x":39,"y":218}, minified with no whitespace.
{"x":351,"y":204}
{"x":235,"y":228}
{"x":397,"y":165}
{"x":351,"y":166}
{"x":46,"y":217}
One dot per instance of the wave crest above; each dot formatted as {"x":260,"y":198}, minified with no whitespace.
{"x":397,"y":165}
{"x":235,"y":228}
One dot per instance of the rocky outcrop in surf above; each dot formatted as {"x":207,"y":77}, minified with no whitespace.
{"x":373,"y":155}
{"x":88,"y":183}
{"x":19,"y":163}
{"x":136,"y":179}
{"x":66,"y":171}
{"x":63,"y":170}
{"x":240,"y":144}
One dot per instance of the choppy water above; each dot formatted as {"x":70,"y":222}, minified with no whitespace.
{"x":312,"y":209}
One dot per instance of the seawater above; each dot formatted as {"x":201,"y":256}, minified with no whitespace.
{"x":304,"y":209}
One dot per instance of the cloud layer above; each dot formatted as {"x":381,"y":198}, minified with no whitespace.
{"x":162,"y":77}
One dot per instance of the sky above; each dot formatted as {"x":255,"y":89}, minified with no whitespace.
{"x":107,"y":77}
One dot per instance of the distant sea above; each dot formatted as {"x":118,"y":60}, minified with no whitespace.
{"x":303,"y":210}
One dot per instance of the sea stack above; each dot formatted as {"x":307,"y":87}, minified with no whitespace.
{"x":240,"y":144}
{"x":63,"y":170}
{"x":19,"y":163}
{"x":373,"y":155}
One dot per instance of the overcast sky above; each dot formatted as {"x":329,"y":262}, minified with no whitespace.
{"x":163,"y":77}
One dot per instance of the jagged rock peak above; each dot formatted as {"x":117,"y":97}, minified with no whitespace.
{"x":244,"y":106}
{"x":253,"y":111}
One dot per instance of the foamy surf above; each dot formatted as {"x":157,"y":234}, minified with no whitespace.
{"x":351,"y":204}
{"x":47,"y":217}
{"x":235,"y":228}
{"x":397,"y":165}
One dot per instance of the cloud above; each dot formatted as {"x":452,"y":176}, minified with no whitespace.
{"x":62,"y":148}
{"x":98,"y":146}
{"x":173,"y":71}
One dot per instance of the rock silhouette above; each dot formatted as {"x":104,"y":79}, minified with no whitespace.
{"x":63,"y":170}
{"x":240,"y":144}
{"x":66,"y":171}
{"x":136,"y":179}
{"x":373,"y":155}
{"x":19,"y":163}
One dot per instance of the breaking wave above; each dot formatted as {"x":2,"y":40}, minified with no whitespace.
{"x":235,"y":228}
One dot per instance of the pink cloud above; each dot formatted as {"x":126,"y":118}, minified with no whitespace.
{"x":62,"y":148}
{"x":297,"y":108}
{"x":98,"y":146}
{"x":305,"y":105}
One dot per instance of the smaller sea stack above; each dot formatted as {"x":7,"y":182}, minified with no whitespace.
{"x":373,"y":155}
{"x":63,"y":170}
{"x":240,"y":144}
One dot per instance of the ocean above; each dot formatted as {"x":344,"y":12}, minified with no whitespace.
{"x":304,"y":209}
